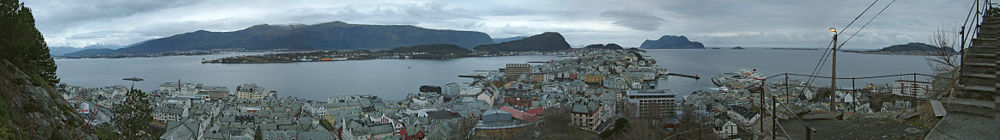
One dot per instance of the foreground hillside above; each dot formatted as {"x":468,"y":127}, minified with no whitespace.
{"x":29,"y":106}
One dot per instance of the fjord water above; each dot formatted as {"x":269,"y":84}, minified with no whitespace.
{"x":394,"y":78}
{"x":386,"y":78}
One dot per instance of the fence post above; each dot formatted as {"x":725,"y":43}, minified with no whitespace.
{"x":786,"y":88}
{"x":854,"y":95}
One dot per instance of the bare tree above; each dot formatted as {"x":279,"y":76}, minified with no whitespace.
{"x":944,"y":59}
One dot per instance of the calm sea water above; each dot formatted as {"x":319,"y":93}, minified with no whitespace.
{"x":386,"y":78}
{"x":393,"y":78}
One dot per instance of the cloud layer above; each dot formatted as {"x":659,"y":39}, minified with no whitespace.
{"x":717,"y":23}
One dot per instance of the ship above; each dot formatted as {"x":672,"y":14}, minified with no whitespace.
{"x":333,"y":59}
{"x":741,"y":79}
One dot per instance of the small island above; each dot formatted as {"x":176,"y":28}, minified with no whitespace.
{"x":671,"y":42}
{"x":913,"y":48}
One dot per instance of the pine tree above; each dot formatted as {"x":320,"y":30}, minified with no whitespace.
{"x":132,"y":116}
{"x":22,"y":44}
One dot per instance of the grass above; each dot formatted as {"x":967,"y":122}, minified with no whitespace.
{"x":6,"y":125}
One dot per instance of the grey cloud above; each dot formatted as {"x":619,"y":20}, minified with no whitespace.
{"x":634,"y":19}
{"x":723,"y":23}
{"x":62,"y":14}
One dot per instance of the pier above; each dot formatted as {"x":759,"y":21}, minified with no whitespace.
{"x":696,"y":77}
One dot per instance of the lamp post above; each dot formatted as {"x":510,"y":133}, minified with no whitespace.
{"x":833,"y":73}
{"x":833,"y":65}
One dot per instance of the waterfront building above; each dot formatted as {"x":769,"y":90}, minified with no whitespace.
{"x":214,"y":92}
{"x":513,"y":71}
{"x":452,"y":89}
{"x":250,"y":91}
{"x":651,"y":103}
{"x":180,"y":89}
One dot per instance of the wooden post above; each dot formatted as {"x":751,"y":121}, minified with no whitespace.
{"x":809,"y":133}
{"x":774,"y":117}
{"x":854,"y":95}
{"x":762,"y":106}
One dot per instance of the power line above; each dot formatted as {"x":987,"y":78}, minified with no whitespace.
{"x":822,"y":61}
{"x":866,"y":24}
{"x":859,"y":16}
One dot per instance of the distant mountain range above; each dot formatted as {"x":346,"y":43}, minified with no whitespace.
{"x":62,"y":50}
{"x":324,"y":36}
{"x":90,"y":52}
{"x":671,"y":42}
{"x":548,"y":41}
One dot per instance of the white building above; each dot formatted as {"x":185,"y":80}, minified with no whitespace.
{"x":911,"y":88}
{"x":727,"y":130}
{"x":651,"y":103}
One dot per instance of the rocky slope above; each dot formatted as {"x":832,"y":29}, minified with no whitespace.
{"x":34,"y":112}
{"x":671,"y":42}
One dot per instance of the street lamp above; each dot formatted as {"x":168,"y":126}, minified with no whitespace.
{"x":833,"y":65}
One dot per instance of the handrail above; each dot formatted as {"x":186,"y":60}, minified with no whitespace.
{"x":865,"y":77}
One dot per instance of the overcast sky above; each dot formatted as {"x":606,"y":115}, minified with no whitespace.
{"x":716,"y":23}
